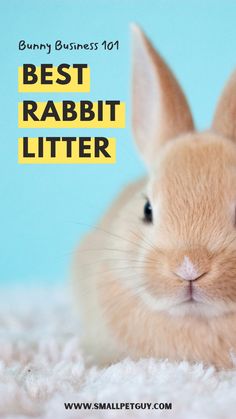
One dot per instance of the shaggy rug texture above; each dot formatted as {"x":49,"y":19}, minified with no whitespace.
{"x":42,"y":367}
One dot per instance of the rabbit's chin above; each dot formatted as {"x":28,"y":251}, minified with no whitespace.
{"x":201,"y":306}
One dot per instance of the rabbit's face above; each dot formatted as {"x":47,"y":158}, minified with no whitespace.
{"x":191,"y":224}
{"x":190,"y":266}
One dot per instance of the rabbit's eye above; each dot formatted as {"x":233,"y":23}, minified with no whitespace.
{"x":147,"y":212}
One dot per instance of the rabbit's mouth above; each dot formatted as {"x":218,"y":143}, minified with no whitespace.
{"x":190,"y":300}
{"x":195,"y":301}
{"x":192,"y":294}
{"x":187,"y":297}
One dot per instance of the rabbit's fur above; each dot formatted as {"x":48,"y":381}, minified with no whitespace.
{"x":166,"y":288}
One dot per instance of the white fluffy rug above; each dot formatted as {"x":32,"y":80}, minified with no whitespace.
{"x":41,"y":368}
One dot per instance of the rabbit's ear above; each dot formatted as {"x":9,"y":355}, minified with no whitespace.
{"x":224,"y":121}
{"x":160,"y":109}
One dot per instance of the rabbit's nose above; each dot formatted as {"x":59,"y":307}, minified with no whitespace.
{"x":188,"y":270}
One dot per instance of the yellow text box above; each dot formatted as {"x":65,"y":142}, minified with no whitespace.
{"x":72,"y":86}
{"x":40,"y":144}
{"x":50,"y":122}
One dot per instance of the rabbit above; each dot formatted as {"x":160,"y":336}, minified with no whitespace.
{"x":157,"y":277}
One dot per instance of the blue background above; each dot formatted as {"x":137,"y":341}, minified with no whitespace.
{"x":43,"y":208}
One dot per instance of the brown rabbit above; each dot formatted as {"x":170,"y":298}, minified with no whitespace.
{"x":158,"y":276}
